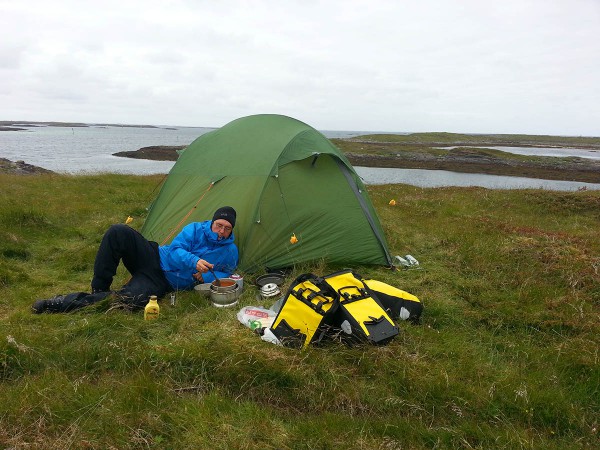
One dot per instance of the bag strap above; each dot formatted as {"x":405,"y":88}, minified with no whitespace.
{"x":299,"y":294}
{"x":326,"y":292}
{"x":362,"y":293}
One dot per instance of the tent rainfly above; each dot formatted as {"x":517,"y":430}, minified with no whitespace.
{"x":285,"y":179}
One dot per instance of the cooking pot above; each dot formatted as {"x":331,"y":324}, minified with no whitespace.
{"x":225,"y":285}
{"x":226,"y":294}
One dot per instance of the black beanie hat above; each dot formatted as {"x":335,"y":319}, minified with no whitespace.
{"x":226,"y":213}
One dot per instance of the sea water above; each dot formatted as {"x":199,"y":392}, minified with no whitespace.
{"x":90,"y":149}
{"x":441,"y":178}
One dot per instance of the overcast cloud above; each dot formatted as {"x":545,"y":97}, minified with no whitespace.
{"x":511,"y":66}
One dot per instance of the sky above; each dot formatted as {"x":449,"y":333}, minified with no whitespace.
{"x":466,"y":66}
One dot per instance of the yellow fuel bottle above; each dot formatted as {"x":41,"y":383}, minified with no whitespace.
{"x":152,"y":309}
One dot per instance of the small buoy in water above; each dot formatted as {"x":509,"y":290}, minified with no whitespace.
{"x":392,"y":202}
{"x":128,"y":220}
{"x":293,"y":239}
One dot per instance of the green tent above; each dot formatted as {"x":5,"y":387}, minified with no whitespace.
{"x":284,"y":179}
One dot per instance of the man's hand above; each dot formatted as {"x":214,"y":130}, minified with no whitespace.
{"x":202,"y":266}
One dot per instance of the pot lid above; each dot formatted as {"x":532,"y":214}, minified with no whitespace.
{"x":270,"y":278}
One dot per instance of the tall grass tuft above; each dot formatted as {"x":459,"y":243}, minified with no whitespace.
{"x":505,"y":356}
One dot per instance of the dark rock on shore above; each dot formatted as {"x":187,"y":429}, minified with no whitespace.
{"x":21,"y":168}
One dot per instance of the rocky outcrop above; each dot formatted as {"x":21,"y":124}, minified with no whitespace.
{"x":155,"y":153}
{"x":20,"y":168}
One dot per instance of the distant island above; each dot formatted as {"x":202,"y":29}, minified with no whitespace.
{"x":15,"y":125}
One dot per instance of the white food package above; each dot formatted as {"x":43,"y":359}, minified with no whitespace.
{"x":256,"y":317}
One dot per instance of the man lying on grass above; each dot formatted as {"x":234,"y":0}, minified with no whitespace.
{"x":201,"y":251}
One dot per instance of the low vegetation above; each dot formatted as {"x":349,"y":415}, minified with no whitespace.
{"x":505,"y":356}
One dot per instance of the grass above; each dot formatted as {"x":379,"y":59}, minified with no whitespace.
{"x":505,"y":356}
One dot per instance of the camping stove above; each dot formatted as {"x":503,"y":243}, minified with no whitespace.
{"x":269,"y":290}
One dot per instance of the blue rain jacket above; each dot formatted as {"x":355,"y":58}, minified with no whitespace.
{"x":197,"y":241}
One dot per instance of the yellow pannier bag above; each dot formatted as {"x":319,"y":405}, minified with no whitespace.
{"x":360,"y":316}
{"x":306,"y":313}
{"x":399,"y":304}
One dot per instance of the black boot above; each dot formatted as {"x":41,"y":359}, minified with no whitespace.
{"x":55,"y":304}
{"x":67,"y":303}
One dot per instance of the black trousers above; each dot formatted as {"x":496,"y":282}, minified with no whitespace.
{"x":139,"y":256}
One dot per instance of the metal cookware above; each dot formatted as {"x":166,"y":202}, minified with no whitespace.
{"x":270,"y":278}
{"x":269,"y":290}
{"x":224,"y":285}
{"x":203,"y":289}
{"x":227,"y":294}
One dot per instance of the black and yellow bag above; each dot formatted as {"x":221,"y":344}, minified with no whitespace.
{"x":399,"y":304}
{"x":306,"y":313}
{"x":360,"y":316}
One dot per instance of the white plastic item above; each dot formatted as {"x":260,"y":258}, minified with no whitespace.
{"x":256,"y":317}
{"x":403,"y":262}
{"x":411,"y":260}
